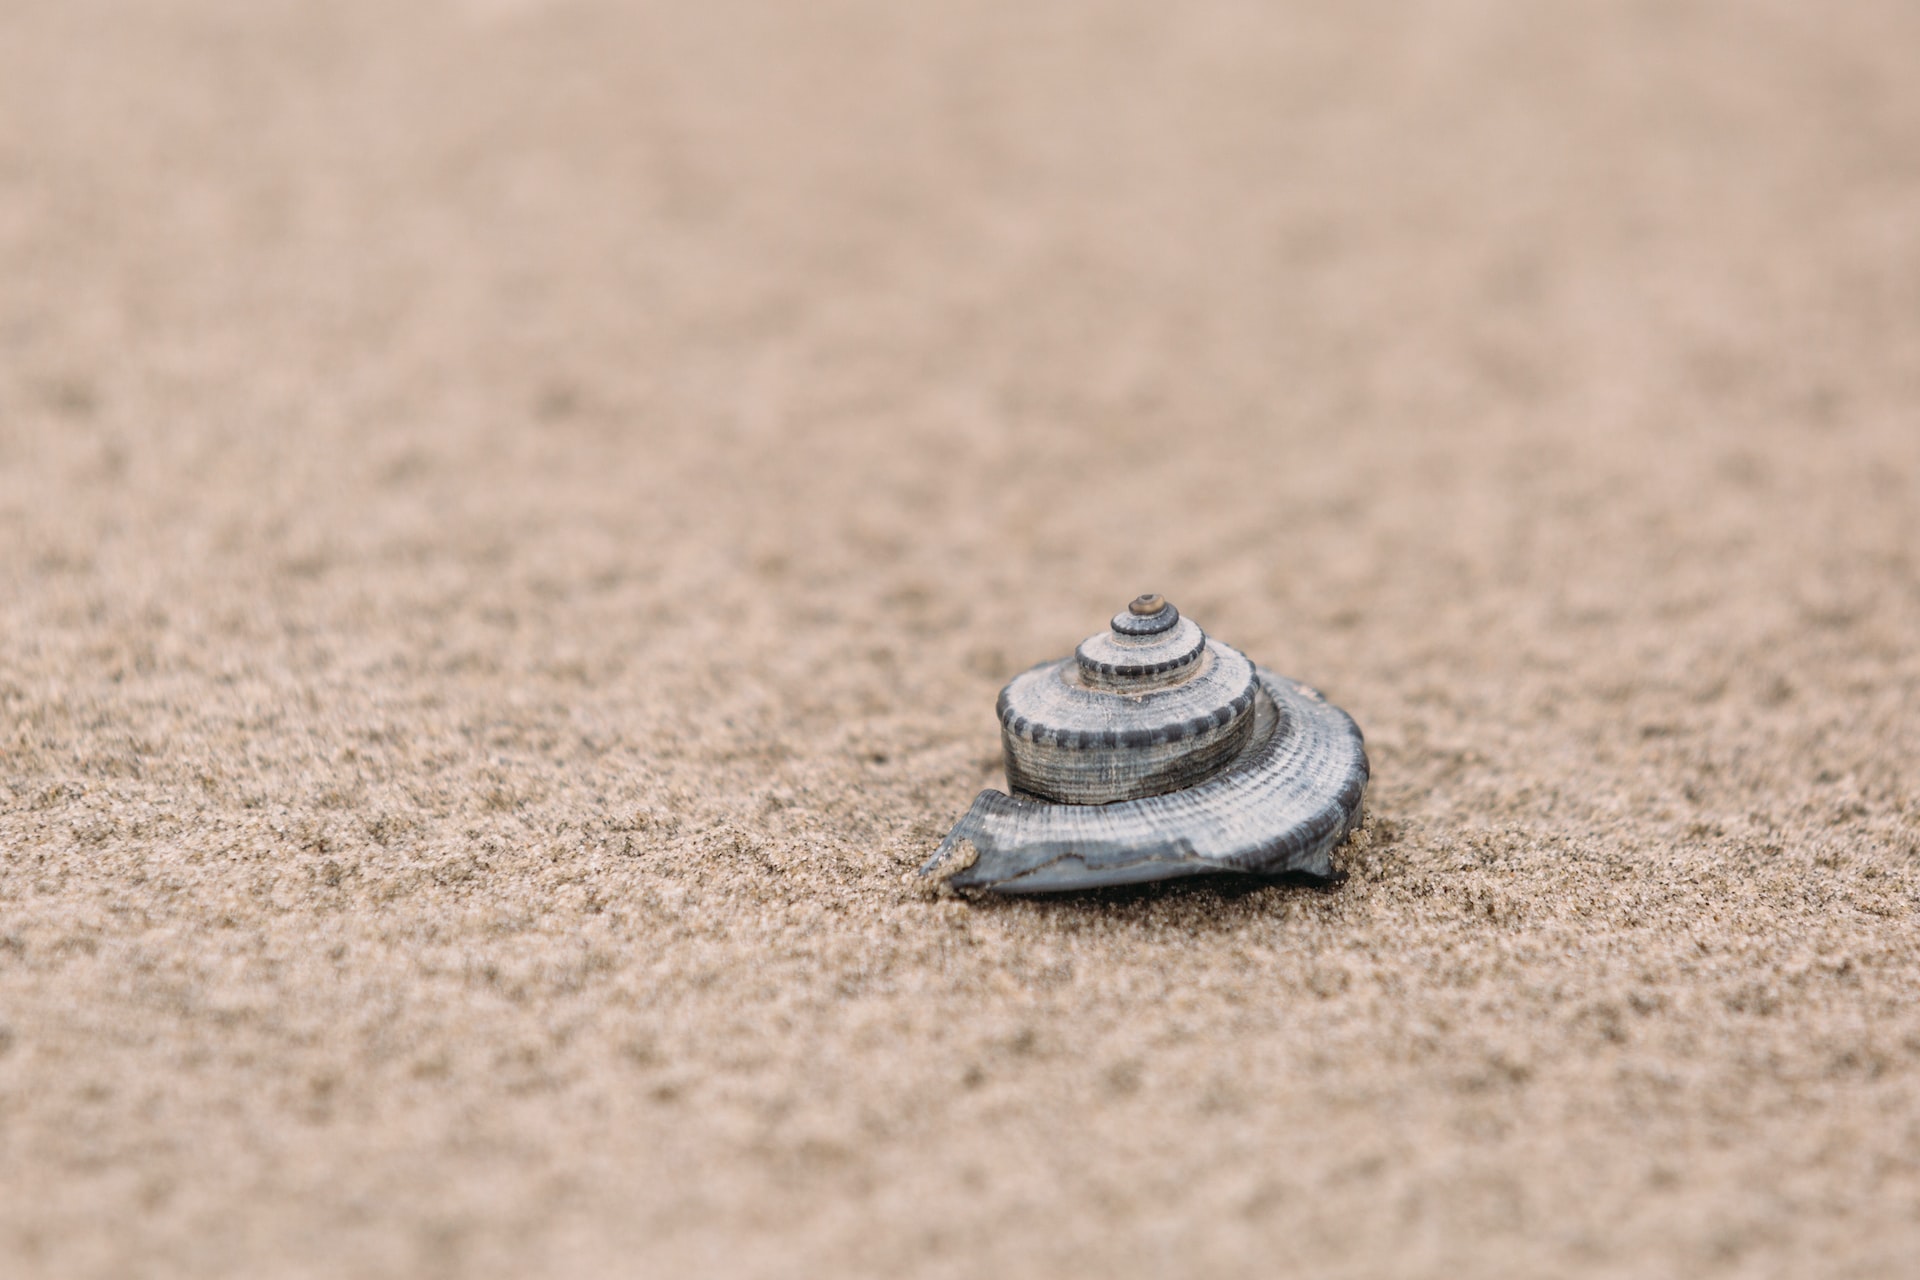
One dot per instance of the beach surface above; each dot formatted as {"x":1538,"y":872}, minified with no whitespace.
{"x":514,"y":515}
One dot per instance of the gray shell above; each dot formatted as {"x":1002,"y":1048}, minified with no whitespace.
{"x":1222,"y":767}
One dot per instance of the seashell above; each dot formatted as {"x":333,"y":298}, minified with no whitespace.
{"x":1155,"y":752}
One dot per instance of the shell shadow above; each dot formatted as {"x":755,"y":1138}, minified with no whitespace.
{"x":1216,"y":901}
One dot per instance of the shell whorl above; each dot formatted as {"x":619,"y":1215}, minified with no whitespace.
{"x":1147,"y":707}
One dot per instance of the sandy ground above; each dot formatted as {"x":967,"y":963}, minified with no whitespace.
{"x":513,"y":517}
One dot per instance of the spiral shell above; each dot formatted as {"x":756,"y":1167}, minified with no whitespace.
{"x":1155,"y":752}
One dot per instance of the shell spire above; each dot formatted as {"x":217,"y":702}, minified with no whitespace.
{"x":1146,"y":707}
{"x":1155,"y":752}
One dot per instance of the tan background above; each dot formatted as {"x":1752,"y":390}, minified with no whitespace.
{"x":513,"y":516}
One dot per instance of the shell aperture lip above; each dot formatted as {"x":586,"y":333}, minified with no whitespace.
{"x":1289,"y":796}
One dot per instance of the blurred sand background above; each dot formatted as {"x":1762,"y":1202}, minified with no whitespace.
{"x":513,"y":517}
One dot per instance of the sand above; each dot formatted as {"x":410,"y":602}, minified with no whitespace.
{"x":513,"y":517}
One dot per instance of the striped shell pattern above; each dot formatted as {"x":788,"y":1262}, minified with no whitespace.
{"x":1155,"y":752}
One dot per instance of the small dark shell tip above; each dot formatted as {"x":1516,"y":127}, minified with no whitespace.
{"x":1146,"y":615}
